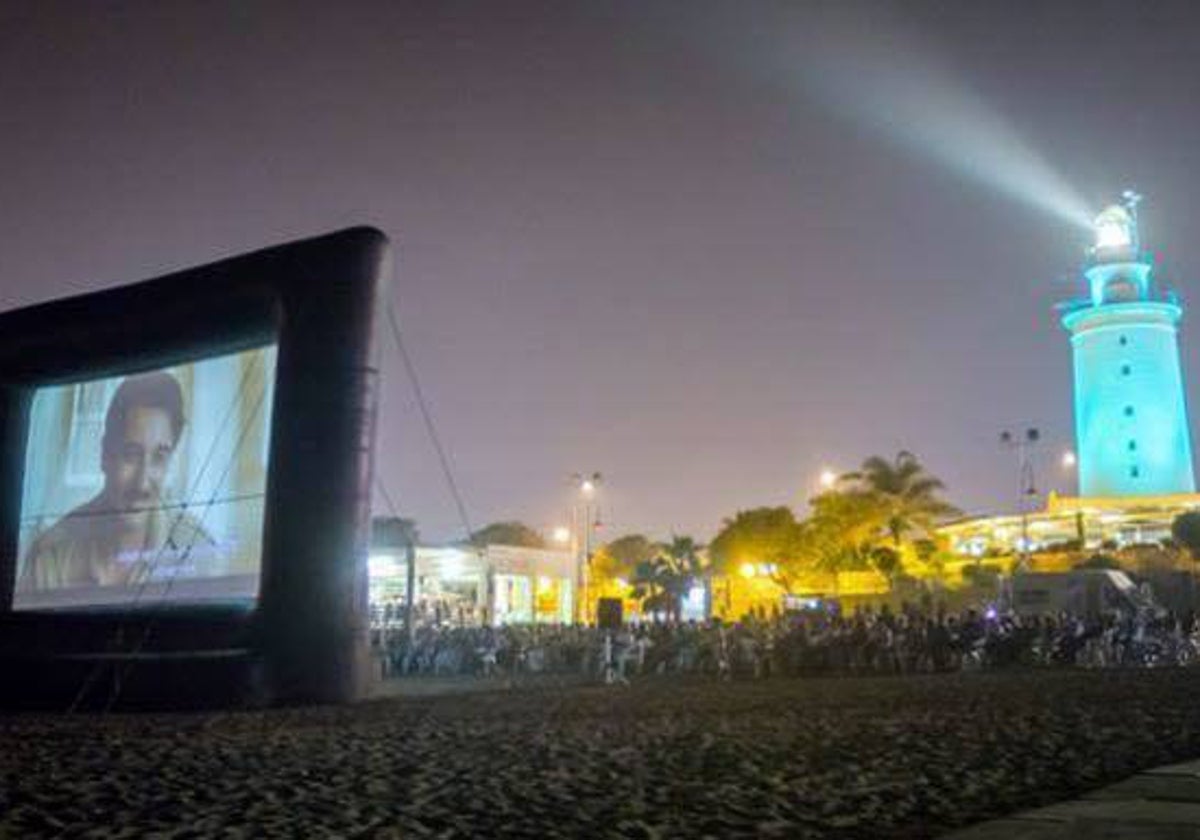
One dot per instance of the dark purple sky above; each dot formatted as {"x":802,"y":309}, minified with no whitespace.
{"x":630,"y":237}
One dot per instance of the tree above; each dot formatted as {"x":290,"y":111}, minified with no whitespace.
{"x":1185,"y":530}
{"x":683,"y":554}
{"x":886,"y":561}
{"x":759,"y":535}
{"x":905,"y":490}
{"x":508,"y":533}
{"x":926,"y":550}
{"x":651,"y":586}
{"x":662,"y":582}
{"x":842,"y":531}
{"x":934,"y":554}
{"x":621,"y":557}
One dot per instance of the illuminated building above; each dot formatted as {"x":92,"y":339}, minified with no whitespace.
{"x":1131,"y":428}
{"x":1133,"y":445}
{"x":465,"y":585}
{"x":1071,"y":524}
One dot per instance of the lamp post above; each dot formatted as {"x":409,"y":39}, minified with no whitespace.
{"x":1069,"y":462}
{"x":1021,"y":444}
{"x":1070,"y":465}
{"x":585,"y":516}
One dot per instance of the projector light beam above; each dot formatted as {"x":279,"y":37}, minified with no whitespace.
{"x":892,"y":87}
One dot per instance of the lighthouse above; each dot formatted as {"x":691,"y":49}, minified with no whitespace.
{"x":1131,"y":428}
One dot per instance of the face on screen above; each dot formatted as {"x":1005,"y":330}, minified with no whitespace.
{"x":134,"y":471}
{"x":147,"y":485}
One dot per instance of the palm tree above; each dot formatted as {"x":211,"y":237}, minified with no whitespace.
{"x":908,"y":493}
{"x":662,"y":581}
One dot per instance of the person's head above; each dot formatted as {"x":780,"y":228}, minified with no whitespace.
{"x":141,"y":429}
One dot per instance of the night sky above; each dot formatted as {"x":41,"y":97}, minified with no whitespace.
{"x":705,"y":249}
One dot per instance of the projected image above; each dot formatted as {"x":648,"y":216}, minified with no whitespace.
{"x":147,"y":488}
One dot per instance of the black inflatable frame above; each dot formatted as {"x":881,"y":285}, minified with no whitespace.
{"x":306,"y":638}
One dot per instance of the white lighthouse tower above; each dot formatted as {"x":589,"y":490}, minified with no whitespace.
{"x":1131,"y":425}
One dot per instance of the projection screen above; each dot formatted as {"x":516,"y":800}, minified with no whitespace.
{"x":148,"y":488}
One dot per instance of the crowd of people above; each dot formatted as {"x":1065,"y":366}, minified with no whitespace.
{"x":880,"y":641}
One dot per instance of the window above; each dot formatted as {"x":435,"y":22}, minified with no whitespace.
{"x":1123,"y":341}
{"x":89,"y":406}
{"x":1133,"y":472}
{"x":1126,"y":370}
{"x":1128,"y":411}
{"x":1132,"y":446}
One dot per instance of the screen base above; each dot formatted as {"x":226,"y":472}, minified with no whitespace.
{"x":166,"y":659}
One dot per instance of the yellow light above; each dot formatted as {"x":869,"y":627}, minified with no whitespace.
{"x":828,"y":478}
{"x":1068,"y":459}
{"x":562,"y":535}
{"x":747,"y":570}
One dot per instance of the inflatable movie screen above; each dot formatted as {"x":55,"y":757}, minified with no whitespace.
{"x":147,"y":488}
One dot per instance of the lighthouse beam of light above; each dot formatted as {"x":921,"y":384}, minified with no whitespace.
{"x":893,"y":88}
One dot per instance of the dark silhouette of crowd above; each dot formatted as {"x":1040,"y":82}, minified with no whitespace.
{"x":882,"y":641}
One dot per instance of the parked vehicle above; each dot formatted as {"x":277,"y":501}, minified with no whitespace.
{"x":1087,"y":592}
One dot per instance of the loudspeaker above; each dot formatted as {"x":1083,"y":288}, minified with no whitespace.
{"x":608,"y":613}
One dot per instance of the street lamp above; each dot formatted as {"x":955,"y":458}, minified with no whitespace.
{"x":586,"y":517}
{"x":1070,"y":464}
{"x":587,"y":482}
{"x":561,"y":535}
{"x":1022,"y":444}
{"x":828,"y":479}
